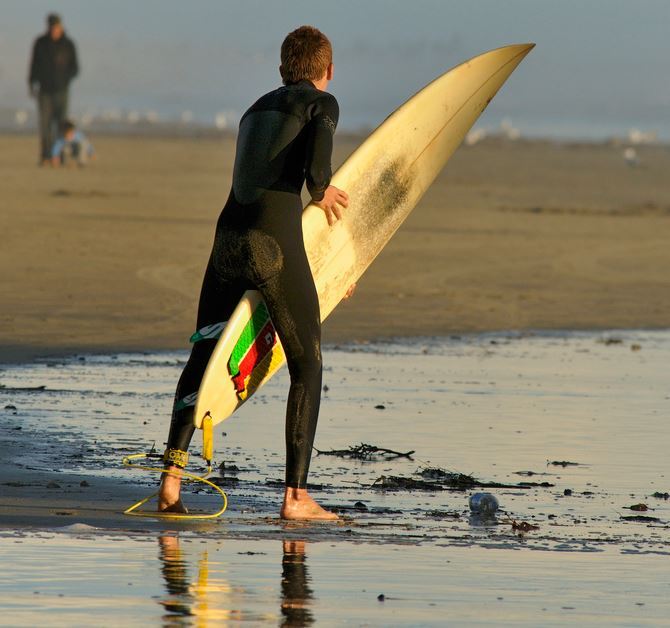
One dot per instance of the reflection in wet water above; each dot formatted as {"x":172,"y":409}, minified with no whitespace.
{"x":176,"y":576}
{"x":85,"y":578}
{"x":295,"y":591}
{"x":204,"y":595}
{"x":193,"y":591}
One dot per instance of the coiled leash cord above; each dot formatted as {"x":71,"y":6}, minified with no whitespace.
{"x":190,"y":478}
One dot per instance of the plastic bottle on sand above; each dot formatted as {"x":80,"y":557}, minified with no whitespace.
{"x":483,"y":504}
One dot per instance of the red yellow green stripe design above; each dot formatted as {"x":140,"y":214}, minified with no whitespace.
{"x":253,"y":352}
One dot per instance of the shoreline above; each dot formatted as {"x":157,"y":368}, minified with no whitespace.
{"x":497,"y":408}
{"x":13,"y":356}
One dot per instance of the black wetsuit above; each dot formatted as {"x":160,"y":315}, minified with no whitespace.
{"x":285,"y":139}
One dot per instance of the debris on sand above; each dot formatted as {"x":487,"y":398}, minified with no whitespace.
{"x":524,"y":526}
{"x":366,"y":452}
{"x":658,"y":495}
{"x":436,"y":479}
{"x":462,"y":481}
{"x":394,"y":482}
{"x":563,"y":463}
{"x":641,"y":518}
{"x":360,"y":508}
{"x":225,"y":480}
{"x":530,"y":474}
{"x":638,"y":507}
{"x":610,"y":340}
{"x":443,"y":514}
{"x":230,"y":468}
{"x":450,"y":478}
{"x":534,"y":485}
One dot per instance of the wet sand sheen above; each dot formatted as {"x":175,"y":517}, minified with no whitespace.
{"x":184,"y":577}
{"x":498,"y":406}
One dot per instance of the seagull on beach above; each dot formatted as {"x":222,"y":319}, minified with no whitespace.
{"x":630,"y":157}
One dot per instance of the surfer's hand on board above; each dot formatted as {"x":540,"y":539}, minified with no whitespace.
{"x":332,"y":198}
{"x":350,"y":291}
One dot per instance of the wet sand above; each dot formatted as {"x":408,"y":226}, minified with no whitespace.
{"x":500,"y":407}
{"x":513,"y":235}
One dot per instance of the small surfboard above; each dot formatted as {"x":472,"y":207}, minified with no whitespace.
{"x":385,"y":178}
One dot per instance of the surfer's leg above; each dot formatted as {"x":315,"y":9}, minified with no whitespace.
{"x":217,"y":301}
{"x":294,"y":306}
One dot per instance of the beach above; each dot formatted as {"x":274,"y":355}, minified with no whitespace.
{"x":567,"y":429}
{"x":513,"y":235}
{"x":511,"y":338}
{"x":493,"y":402}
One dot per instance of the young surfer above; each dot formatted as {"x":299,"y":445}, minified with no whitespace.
{"x":285,"y":139}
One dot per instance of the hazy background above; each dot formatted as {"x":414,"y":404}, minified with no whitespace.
{"x":600,"y":66}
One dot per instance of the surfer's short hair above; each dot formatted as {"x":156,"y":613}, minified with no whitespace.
{"x":306,"y":53}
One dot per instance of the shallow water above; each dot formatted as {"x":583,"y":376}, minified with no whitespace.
{"x":501,"y":407}
{"x":188,"y":580}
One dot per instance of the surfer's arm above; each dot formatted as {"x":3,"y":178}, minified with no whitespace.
{"x":317,"y":164}
{"x":324,"y":116}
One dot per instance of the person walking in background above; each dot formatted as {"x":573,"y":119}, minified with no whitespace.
{"x":52,"y":67}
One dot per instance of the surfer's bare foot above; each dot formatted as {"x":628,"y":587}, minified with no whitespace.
{"x":298,"y":505}
{"x":169,"y":494}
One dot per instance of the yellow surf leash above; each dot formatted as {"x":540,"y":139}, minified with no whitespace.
{"x":208,"y":454}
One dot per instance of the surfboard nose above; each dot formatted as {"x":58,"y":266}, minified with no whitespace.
{"x":514,"y":51}
{"x":524,"y":49}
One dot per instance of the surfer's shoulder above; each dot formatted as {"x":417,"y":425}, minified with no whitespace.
{"x":325,"y":104}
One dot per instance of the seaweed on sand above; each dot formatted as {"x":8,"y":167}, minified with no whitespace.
{"x":436,"y":479}
{"x":524,"y":526}
{"x":449,"y":478}
{"x":366,"y":452}
{"x":395,"y":482}
{"x":640,"y":518}
{"x":463,"y":481}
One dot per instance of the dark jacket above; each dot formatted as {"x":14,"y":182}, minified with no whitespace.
{"x":54,"y":63}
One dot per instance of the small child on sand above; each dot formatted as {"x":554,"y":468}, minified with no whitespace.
{"x":72,"y":144}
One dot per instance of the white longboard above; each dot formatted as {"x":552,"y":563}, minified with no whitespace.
{"x":385,"y":179}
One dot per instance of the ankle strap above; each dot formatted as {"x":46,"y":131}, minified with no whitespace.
{"x":177,"y":457}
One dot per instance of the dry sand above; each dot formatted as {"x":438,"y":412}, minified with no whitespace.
{"x":513,"y":235}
